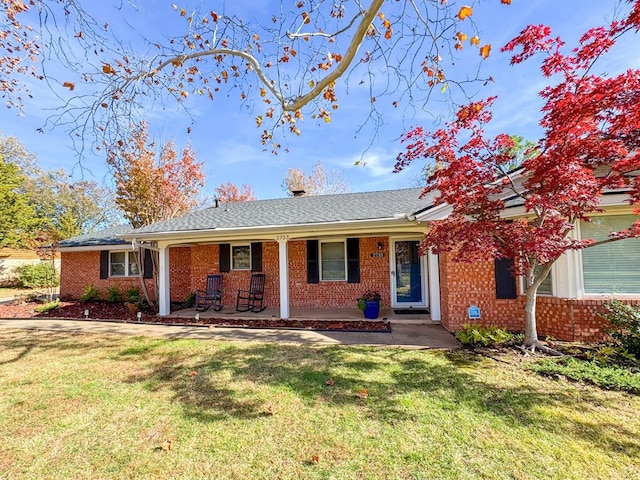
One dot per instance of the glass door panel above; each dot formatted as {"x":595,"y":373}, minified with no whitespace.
{"x":408,"y":274}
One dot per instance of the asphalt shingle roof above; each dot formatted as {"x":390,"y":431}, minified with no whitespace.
{"x":279,"y":212}
{"x":102,"y":237}
{"x":309,"y":210}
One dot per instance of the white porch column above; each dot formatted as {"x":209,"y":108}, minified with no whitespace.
{"x":434,"y":286}
{"x":164,"y":296}
{"x":283,"y":257}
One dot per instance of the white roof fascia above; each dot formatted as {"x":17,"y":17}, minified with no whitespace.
{"x":442,"y":211}
{"x":93,"y":248}
{"x":271,"y":230}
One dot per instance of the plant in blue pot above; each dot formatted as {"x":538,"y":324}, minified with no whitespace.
{"x":370,"y":303}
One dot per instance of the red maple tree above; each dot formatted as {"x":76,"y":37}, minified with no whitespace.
{"x":590,"y":144}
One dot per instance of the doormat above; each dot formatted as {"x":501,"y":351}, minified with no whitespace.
{"x":411,"y":311}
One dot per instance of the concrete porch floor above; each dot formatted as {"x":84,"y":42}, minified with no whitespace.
{"x":338,"y":314}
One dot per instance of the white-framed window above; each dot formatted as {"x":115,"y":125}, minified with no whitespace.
{"x":241,"y":257}
{"x":333,"y":260}
{"x":546,"y":287}
{"x":123,"y":264}
{"x":611,"y":268}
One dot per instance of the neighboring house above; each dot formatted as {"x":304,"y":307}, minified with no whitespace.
{"x":325,"y":251}
{"x":12,"y":258}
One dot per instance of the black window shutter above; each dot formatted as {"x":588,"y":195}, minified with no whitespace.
{"x":256,"y":257}
{"x":147,"y":264}
{"x":505,"y":281}
{"x":313,"y":265}
{"x":104,"y":264}
{"x":225,"y":257}
{"x":353,"y":260}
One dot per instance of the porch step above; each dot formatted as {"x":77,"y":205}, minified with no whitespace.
{"x":411,"y":311}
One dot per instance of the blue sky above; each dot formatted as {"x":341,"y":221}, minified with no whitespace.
{"x":226,"y":139}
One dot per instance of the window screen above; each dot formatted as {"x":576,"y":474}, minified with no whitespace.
{"x":332,"y":257}
{"x":613,"y":267}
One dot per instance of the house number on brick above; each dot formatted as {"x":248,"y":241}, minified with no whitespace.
{"x":282,"y":238}
{"x":377,"y":254}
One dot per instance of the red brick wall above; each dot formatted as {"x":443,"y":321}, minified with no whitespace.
{"x":464,"y":284}
{"x":79,"y":270}
{"x":180,"y":276}
{"x":374,"y":275}
{"x":189,"y":267}
{"x":574,"y":320}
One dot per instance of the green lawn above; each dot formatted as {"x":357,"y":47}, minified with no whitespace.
{"x":105,"y":407}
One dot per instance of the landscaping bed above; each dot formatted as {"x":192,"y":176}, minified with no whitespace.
{"x":101,"y":310}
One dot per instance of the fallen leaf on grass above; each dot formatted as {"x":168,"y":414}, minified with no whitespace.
{"x":363,"y":393}
{"x":329,"y":382}
{"x":166,"y":445}
{"x":315,"y":459}
{"x":193,"y":373}
{"x":270,"y":410}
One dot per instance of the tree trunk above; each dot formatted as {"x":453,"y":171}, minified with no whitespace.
{"x":143,"y":284}
{"x":531,"y":341}
{"x":530,"y":326}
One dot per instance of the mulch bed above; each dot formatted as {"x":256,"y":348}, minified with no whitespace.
{"x":119,"y":312}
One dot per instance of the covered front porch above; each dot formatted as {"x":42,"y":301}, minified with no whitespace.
{"x":386,"y":263}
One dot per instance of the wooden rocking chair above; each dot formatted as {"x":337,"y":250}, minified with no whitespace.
{"x":211,"y":296}
{"x":253,"y":298}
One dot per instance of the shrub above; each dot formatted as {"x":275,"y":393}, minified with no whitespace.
{"x":623,"y":325}
{"x":114,"y":294}
{"x":46,"y":307}
{"x":613,"y":355}
{"x":133,"y":295}
{"x":38,"y":275}
{"x":90,"y":294}
{"x":479,"y":336}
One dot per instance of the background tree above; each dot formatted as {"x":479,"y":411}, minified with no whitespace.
{"x":70,"y":208}
{"x":16,"y":214}
{"x":318,"y":182}
{"x":591,"y":143}
{"x":287,"y":62}
{"x":154,"y":185}
{"x":35,"y":200}
{"x":229,"y":193}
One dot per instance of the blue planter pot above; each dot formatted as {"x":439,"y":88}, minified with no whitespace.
{"x":371,"y":310}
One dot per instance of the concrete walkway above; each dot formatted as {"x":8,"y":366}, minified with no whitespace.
{"x":414,"y":336}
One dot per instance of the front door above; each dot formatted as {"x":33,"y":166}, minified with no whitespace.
{"x":408,"y":275}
